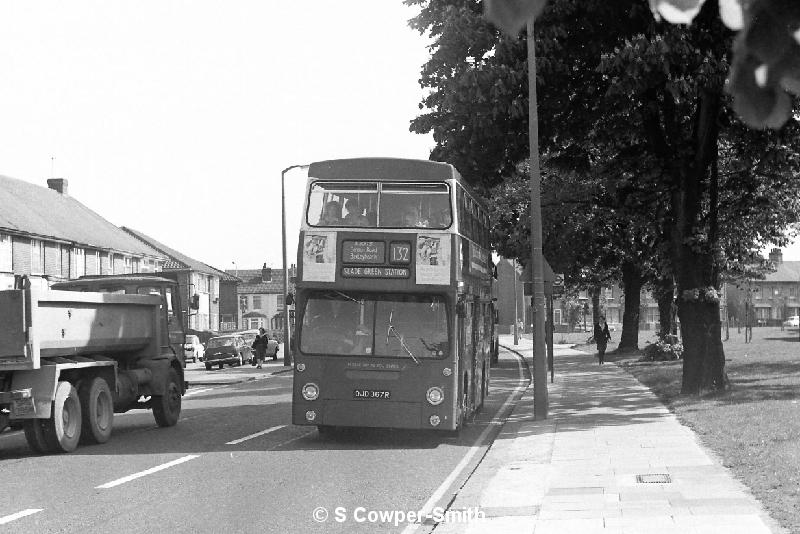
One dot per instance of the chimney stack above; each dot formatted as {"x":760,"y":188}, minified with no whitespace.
{"x":776,"y":256}
{"x":58,"y":184}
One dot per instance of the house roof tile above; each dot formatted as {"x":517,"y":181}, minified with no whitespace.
{"x":177,"y":260}
{"x":45,"y":213}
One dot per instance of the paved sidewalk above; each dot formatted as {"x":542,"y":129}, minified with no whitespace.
{"x":197,"y":375}
{"x":609,"y":459}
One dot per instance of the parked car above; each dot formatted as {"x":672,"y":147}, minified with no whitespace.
{"x":193,"y":349}
{"x":272,"y":348}
{"x":231,"y":349}
{"x":249,"y":336}
{"x":794,"y":320}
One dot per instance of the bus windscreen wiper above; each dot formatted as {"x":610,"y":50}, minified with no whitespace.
{"x":393,"y":331}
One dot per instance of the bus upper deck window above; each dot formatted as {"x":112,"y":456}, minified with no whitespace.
{"x":418,"y":205}
{"x":343,"y":204}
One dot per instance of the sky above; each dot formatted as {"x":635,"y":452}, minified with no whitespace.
{"x":175,"y":118}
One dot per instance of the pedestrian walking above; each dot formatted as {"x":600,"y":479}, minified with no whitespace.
{"x":601,"y":336}
{"x":260,"y":346}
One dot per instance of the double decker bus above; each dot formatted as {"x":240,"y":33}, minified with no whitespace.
{"x":395,"y":318}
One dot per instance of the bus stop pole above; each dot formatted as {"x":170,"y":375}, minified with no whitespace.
{"x":540,"y":397}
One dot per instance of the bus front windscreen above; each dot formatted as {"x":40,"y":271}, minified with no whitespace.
{"x":387,"y":325}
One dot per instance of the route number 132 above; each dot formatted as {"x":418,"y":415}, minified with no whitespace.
{"x":400,"y":253}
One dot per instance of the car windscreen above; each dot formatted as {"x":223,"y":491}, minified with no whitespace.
{"x":381,"y":325}
{"x":216,"y":342}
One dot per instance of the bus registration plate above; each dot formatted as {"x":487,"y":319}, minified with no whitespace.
{"x":370,"y":394}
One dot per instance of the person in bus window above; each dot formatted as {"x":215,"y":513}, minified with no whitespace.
{"x":355,"y":214}
{"x":412,"y":218}
{"x":331,"y":214}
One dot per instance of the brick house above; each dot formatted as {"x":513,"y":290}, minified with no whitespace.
{"x":50,"y":236}
{"x":260,"y":297}
{"x":773,"y":299}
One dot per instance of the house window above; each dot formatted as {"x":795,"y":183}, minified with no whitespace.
{"x":792,"y":291}
{"x":609,"y":293}
{"x":256,"y":302}
{"x":79,"y":265}
{"x":243,"y":303}
{"x":255,"y":322}
{"x":6,"y":265}
{"x":110,"y":263}
{"x":135,"y":265}
{"x":128,"y":265}
{"x":757,"y":294}
{"x":557,"y":316}
{"x":37,"y":257}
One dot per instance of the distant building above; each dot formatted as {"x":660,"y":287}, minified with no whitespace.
{"x":260,"y":296}
{"x":773,"y":299}
{"x":196,"y":280}
{"x":50,"y":236}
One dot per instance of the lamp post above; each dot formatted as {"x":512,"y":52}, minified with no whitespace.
{"x":287,"y":339}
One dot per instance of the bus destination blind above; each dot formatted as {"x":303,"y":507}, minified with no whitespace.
{"x":363,"y":252}
{"x":375,"y":272}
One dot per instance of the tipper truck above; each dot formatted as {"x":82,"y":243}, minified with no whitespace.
{"x":74,"y":354}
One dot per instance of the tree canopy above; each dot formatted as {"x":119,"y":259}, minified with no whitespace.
{"x":635,"y":130}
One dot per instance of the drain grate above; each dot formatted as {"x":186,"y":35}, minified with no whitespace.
{"x":655,"y":478}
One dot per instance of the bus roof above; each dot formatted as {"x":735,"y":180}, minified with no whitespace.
{"x":382,"y":169}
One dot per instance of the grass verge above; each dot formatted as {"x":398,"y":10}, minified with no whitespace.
{"x":754,"y":427}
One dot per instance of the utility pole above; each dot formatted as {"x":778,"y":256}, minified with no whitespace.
{"x":540,"y":397}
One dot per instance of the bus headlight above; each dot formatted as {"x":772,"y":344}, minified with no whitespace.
{"x":435,"y":396}
{"x":311,"y":415}
{"x":300,"y":367}
{"x":310,"y":391}
{"x":435,"y":420}
{"x":447,"y":371}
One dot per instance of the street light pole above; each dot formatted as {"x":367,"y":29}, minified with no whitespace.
{"x":516,"y":307}
{"x":540,"y":397}
{"x":287,"y":329}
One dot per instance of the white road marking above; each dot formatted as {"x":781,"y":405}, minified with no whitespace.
{"x":19,"y":515}
{"x":427,"y":509}
{"x":196,"y":391}
{"x":146,"y":472}
{"x":251,"y":436}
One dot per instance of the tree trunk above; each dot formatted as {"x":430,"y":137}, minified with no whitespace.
{"x":703,"y":356}
{"x":594,"y":294}
{"x":632,"y":287}
{"x":695,"y":260}
{"x":665,"y":296}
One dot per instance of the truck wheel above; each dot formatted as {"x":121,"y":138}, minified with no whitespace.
{"x":34,"y":435}
{"x":221,"y":365}
{"x":97,"y":407}
{"x":63,"y":430}
{"x":208,"y":367}
{"x":167,"y":407}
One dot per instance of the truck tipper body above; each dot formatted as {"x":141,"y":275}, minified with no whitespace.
{"x":73,"y":355}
